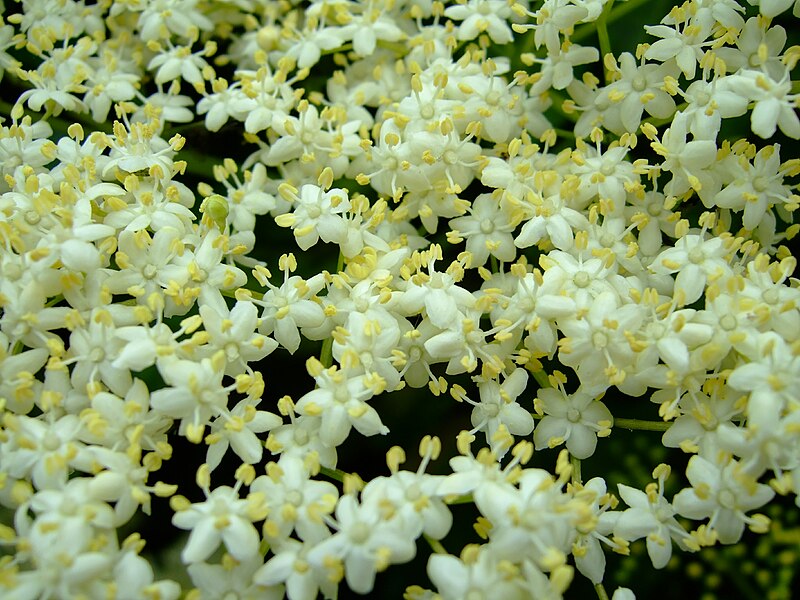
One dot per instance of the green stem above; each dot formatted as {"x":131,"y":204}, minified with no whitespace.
{"x":601,"y":591}
{"x":564,"y":133}
{"x":435,"y":545}
{"x":326,"y":355}
{"x":335,"y":474}
{"x":602,"y":35}
{"x":641,"y":425}
{"x":464,"y":499}
{"x":541,"y":379}
{"x":633,"y":424}
{"x":576,"y":469}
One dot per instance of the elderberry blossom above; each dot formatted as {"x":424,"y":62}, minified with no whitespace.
{"x":577,"y":419}
{"x":223,"y":517}
{"x":513,"y":201}
{"x":651,"y":516}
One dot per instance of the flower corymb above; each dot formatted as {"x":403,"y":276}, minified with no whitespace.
{"x":442,"y":299}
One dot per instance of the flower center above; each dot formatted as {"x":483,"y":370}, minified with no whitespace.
{"x":300,"y":436}
{"x":727,"y":499}
{"x":32,"y":217}
{"x":573,"y":415}
{"x":639,"y":83}
{"x":359,"y":532}
{"x":294,"y":497}
{"x":728,"y":322}
{"x":413,"y":492}
{"x":695,"y":255}
{"x":599,"y":339}
{"x":426,"y":111}
{"x":491,"y":410}
{"x":492,"y":98}
{"x":608,"y":240}
{"x":450,"y":157}
{"x":654,"y":209}
{"x":760,"y":183}
{"x":366,"y":359}
{"x":97,"y":354}
{"x":581,"y":279}
{"x":51,"y":443}
{"x":657,"y":330}
{"x":487,"y":226}
{"x":314,"y":211}
{"x":232,"y":351}
{"x":662,"y":513}
{"x":770,"y":296}
{"x":149,"y":271}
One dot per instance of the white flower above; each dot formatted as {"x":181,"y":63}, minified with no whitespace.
{"x":685,"y":45}
{"x":178,"y":61}
{"x":289,"y":565}
{"x":443,"y":299}
{"x":771,"y":379}
{"x":596,"y":345}
{"x":316,"y":214}
{"x":194,"y":394}
{"x":294,"y":501}
{"x":722,"y":492}
{"x":639,"y":88}
{"x":774,"y":103}
{"x":487,"y":230}
{"x":695,"y":259}
{"x":289,"y":307}
{"x":133,"y":577}
{"x":237,"y":430}
{"x":477,"y":16}
{"x":747,"y":54}
{"x":498,"y":406}
{"x":223,"y":517}
{"x":233,"y":578}
{"x":43,"y":449}
{"x":300,"y":438}
{"x":590,"y":558}
{"x":772,"y":8}
{"x":576,"y":419}
{"x":364,"y":544}
{"x":340,"y":399}
{"x":234,"y":334}
{"x":478,"y":573}
{"x":365,"y":344}
{"x":650,"y":515}
{"x":113,"y":421}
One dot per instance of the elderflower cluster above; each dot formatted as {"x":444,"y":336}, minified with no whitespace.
{"x":545,"y":236}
